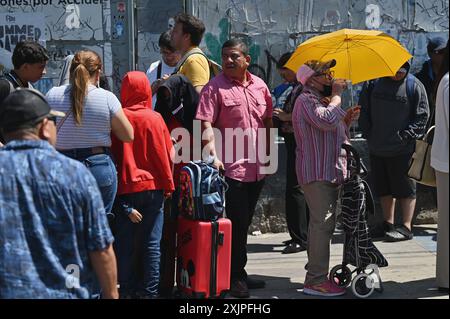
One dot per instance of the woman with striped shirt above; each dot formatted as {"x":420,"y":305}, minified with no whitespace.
{"x":92,"y":114}
{"x":320,"y":129}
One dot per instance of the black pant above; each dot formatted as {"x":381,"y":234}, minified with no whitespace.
{"x":241,"y":199}
{"x":297,"y":211}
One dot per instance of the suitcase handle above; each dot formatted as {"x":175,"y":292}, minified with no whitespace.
{"x":221,"y":239}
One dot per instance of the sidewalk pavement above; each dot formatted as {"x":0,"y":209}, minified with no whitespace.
{"x":410,"y":274}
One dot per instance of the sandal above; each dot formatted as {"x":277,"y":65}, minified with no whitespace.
{"x":405,"y":232}
{"x":400,"y":233}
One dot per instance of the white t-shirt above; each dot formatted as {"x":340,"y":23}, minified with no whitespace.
{"x":100,"y":106}
{"x":440,"y":148}
{"x":152,"y":75}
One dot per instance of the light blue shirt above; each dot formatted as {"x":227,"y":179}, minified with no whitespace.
{"x":51,"y":217}
{"x":100,"y":106}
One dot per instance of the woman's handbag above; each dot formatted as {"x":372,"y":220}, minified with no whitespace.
{"x":420,"y":169}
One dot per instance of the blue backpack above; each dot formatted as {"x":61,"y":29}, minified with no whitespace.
{"x":202,"y":192}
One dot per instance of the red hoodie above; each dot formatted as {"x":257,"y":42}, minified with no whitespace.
{"x":144,"y":164}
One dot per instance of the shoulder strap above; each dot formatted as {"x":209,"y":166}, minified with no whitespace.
{"x":61,"y":123}
{"x":370,"y":86}
{"x":410,"y":89}
{"x":159,"y":70}
{"x":11,"y":85}
{"x":185,"y":57}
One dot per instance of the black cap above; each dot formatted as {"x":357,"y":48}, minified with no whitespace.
{"x":436,"y":44}
{"x":24,"y":108}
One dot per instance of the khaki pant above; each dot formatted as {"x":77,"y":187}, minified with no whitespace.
{"x":322,"y":199}
{"x":442,"y":234}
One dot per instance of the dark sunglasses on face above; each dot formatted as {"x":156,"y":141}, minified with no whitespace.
{"x":52,"y":118}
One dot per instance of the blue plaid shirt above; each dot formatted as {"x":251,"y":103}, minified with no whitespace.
{"x":51,"y":217}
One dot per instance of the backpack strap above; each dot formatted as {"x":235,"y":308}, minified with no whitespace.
{"x":187,"y":56}
{"x":11,"y":87}
{"x":10,"y":80}
{"x":370,"y":86}
{"x":214,"y":68}
{"x":410,"y":89}
{"x":159,"y":70}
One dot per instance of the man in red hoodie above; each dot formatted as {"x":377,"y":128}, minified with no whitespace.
{"x":145,"y":179}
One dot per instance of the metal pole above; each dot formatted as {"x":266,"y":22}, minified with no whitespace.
{"x":132,"y":30}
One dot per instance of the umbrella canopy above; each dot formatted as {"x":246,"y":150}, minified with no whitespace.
{"x":361,"y":55}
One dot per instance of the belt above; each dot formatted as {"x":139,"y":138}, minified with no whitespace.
{"x":79,"y":153}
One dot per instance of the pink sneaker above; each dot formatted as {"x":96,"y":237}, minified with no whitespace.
{"x":324,"y":289}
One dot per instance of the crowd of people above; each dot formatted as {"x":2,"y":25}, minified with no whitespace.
{"x":88,"y":183}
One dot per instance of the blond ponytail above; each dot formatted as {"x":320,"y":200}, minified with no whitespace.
{"x":84,"y":65}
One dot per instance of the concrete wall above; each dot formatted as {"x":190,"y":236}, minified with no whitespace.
{"x":62,"y":28}
{"x":274,"y":27}
{"x":126,"y":33}
{"x":153,"y":18}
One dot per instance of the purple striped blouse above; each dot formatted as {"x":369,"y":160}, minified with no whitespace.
{"x":319,"y":132}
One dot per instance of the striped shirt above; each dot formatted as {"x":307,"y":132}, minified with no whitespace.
{"x":99,"y":108}
{"x":319,"y":132}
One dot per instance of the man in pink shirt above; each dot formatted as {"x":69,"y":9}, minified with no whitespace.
{"x":238,"y":105}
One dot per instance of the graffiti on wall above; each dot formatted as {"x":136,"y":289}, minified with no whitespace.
{"x":63,"y":27}
{"x":16,"y":28}
{"x":153,"y":18}
{"x":274,"y":27}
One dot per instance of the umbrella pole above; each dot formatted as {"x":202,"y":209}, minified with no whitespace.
{"x":352,"y":126}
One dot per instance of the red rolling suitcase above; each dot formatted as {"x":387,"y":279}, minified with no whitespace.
{"x":203,"y":257}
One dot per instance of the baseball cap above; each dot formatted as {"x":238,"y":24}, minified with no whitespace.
{"x":24,"y":108}
{"x":313,"y":67}
{"x":436,"y":44}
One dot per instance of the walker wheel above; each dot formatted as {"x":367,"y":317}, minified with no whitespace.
{"x":341,"y":276}
{"x":380,"y":288}
{"x":363,"y":285}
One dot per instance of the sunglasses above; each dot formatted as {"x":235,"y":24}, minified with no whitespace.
{"x":52,"y":118}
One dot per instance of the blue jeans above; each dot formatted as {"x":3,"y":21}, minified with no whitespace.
{"x":104,"y":171}
{"x":137,"y":246}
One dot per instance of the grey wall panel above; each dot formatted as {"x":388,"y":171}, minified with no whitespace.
{"x":66,"y":28}
{"x":268,"y":26}
{"x":279,"y":26}
{"x":153,"y":18}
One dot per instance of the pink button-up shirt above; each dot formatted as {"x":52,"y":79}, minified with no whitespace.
{"x":227,"y":105}
{"x":319,"y":132}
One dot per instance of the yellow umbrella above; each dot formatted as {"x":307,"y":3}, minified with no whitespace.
{"x":361,"y":55}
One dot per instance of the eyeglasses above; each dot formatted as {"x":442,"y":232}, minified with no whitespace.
{"x":52,"y":118}
{"x":329,"y":74}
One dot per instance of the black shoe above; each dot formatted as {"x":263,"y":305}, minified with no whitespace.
{"x":288,"y":242}
{"x":400,"y":233}
{"x":255,"y":283}
{"x":405,"y":231}
{"x":239,"y":289}
{"x":293,"y":248}
{"x":388,"y":227}
{"x":442,"y":289}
